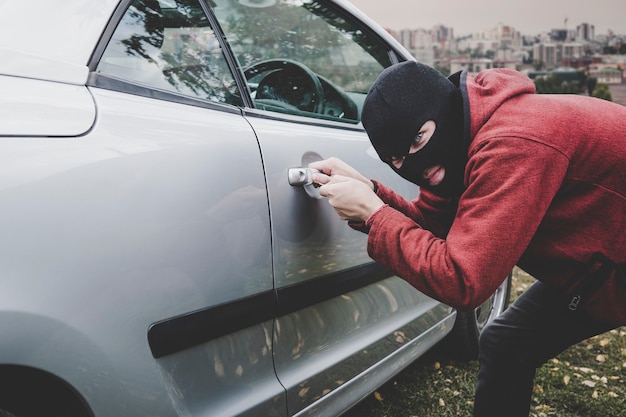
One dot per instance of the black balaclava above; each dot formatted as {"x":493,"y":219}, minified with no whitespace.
{"x":400,"y":101}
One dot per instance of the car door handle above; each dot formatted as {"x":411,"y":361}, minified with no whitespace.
{"x":303,"y":176}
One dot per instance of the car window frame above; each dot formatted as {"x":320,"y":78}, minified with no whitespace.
{"x":114,"y":83}
{"x":111,"y":82}
{"x":394,"y":55}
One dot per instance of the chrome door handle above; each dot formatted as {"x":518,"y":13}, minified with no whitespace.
{"x":303,"y":176}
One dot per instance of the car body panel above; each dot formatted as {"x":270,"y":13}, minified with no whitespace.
{"x":154,"y":255}
{"x":404,"y":352}
{"x":21,"y":64}
{"x":39,"y":108}
{"x":228,"y":376}
{"x":314,"y":363}
{"x":156,"y":203}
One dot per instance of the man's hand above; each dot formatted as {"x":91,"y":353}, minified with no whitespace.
{"x":335,"y":166}
{"x":352,"y":199}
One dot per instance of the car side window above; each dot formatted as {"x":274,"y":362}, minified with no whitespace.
{"x":170,"y":45}
{"x":301,"y":56}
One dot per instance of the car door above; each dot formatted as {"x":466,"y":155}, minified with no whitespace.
{"x":341,"y":317}
{"x":192,"y":218}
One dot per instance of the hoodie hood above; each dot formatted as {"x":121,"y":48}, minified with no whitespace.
{"x":489,"y":89}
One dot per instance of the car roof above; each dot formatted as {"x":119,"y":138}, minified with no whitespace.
{"x":51,"y":39}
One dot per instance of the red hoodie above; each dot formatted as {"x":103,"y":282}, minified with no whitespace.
{"x":546,"y":189}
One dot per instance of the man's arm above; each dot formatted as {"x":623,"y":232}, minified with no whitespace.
{"x":511,"y":185}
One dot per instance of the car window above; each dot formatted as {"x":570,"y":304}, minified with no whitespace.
{"x":301,"y":56}
{"x":170,"y":45}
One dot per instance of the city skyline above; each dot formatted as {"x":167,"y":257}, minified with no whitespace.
{"x":530,"y":17}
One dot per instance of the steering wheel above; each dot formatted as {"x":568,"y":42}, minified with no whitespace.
{"x":288,"y":84}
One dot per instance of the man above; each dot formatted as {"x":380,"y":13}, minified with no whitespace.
{"x":506,"y":177}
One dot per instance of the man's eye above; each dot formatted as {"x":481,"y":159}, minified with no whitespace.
{"x":418,"y":143}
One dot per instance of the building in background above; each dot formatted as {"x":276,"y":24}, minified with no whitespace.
{"x":585,"y":32}
{"x":419,"y":42}
{"x":502,"y":46}
{"x":557,"y":54}
{"x":607,"y":75}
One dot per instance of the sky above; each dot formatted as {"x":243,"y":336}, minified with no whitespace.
{"x":465,"y":17}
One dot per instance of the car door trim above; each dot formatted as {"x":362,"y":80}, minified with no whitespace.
{"x":297,"y":296}
{"x":109,"y":82}
{"x":191,"y":329}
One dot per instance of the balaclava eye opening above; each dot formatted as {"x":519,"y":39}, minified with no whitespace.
{"x":400,"y":101}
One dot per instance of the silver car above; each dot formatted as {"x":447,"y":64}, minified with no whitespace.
{"x":162,"y":250}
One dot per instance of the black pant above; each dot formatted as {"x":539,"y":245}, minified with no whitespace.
{"x":535,"y":328}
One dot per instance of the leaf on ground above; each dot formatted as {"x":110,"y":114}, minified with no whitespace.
{"x":378,"y":396}
{"x":543,"y":407}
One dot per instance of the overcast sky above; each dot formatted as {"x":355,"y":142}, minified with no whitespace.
{"x":530,"y":17}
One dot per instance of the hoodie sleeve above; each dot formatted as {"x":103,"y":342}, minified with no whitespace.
{"x":512,"y":182}
{"x":431,"y":212}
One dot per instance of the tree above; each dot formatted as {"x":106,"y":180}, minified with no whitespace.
{"x":602,"y":91}
{"x":538,"y":65}
{"x":592,"y":82}
{"x":557,"y":84}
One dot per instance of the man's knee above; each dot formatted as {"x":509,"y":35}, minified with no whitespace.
{"x":492,"y":338}
{"x":506,"y":346}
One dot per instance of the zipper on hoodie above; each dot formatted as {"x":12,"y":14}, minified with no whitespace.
{"x":592,"y":276}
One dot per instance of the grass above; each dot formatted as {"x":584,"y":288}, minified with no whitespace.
{"x":587,"y":380}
